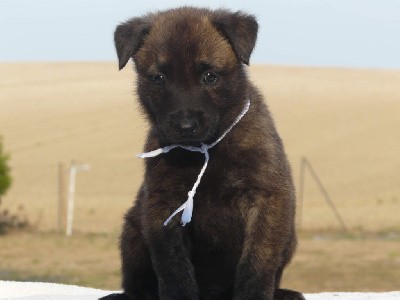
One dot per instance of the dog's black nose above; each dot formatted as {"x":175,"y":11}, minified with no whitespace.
{"x":187,"y":126}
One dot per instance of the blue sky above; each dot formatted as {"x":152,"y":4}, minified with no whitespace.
{"x":345,"y":33}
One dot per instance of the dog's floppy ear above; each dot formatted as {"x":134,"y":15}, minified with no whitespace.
{"x":128,"y":38}
{"x":239,"y":29}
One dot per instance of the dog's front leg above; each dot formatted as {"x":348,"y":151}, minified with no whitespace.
{"x":169,"y":253}
{"x":266,"y":234}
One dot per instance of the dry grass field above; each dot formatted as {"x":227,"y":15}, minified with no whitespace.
{"x":345,"y":121}
{"x":331,"y":263}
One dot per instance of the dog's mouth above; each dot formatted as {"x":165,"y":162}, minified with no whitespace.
{"x":195,"y":139}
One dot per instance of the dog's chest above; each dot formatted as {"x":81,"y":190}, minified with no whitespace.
{"x":215,"y":225}
{"x":217,"y":237}
{"x":218,"y":217}
{"x":218,"y":221}
{"x":219,"y":202}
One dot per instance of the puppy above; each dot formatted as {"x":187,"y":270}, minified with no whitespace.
{"x":192,"y":86}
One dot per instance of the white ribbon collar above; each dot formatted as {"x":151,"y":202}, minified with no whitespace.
{"x":187,"y":207}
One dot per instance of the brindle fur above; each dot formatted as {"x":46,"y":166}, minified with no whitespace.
{"x":242,"y":232}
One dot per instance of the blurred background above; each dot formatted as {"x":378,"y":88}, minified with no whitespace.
{"x":330,"y":71}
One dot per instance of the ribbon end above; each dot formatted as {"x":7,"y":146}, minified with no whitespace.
{"x":185,"y":220}
{"x":150,"y":154}
{"x":188,"y":211}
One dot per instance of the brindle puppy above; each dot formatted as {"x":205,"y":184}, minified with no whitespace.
{"x":192,"y":85}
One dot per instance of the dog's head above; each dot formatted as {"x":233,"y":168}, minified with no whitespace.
{"x":191,"y":81}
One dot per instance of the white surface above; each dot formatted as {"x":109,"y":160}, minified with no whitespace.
{"x":52,"y":291}
{"x":354,"y":296}
{"x":46,"y":291}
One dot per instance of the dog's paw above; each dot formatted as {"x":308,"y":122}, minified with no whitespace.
{"x":283,"y":294}
{"x":115,"y":297}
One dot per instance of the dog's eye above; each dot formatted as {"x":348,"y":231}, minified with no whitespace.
{"x":210,"y":77}
{"x":157,"y":79}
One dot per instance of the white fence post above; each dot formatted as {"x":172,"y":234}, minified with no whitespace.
{"x":71,"y":193}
